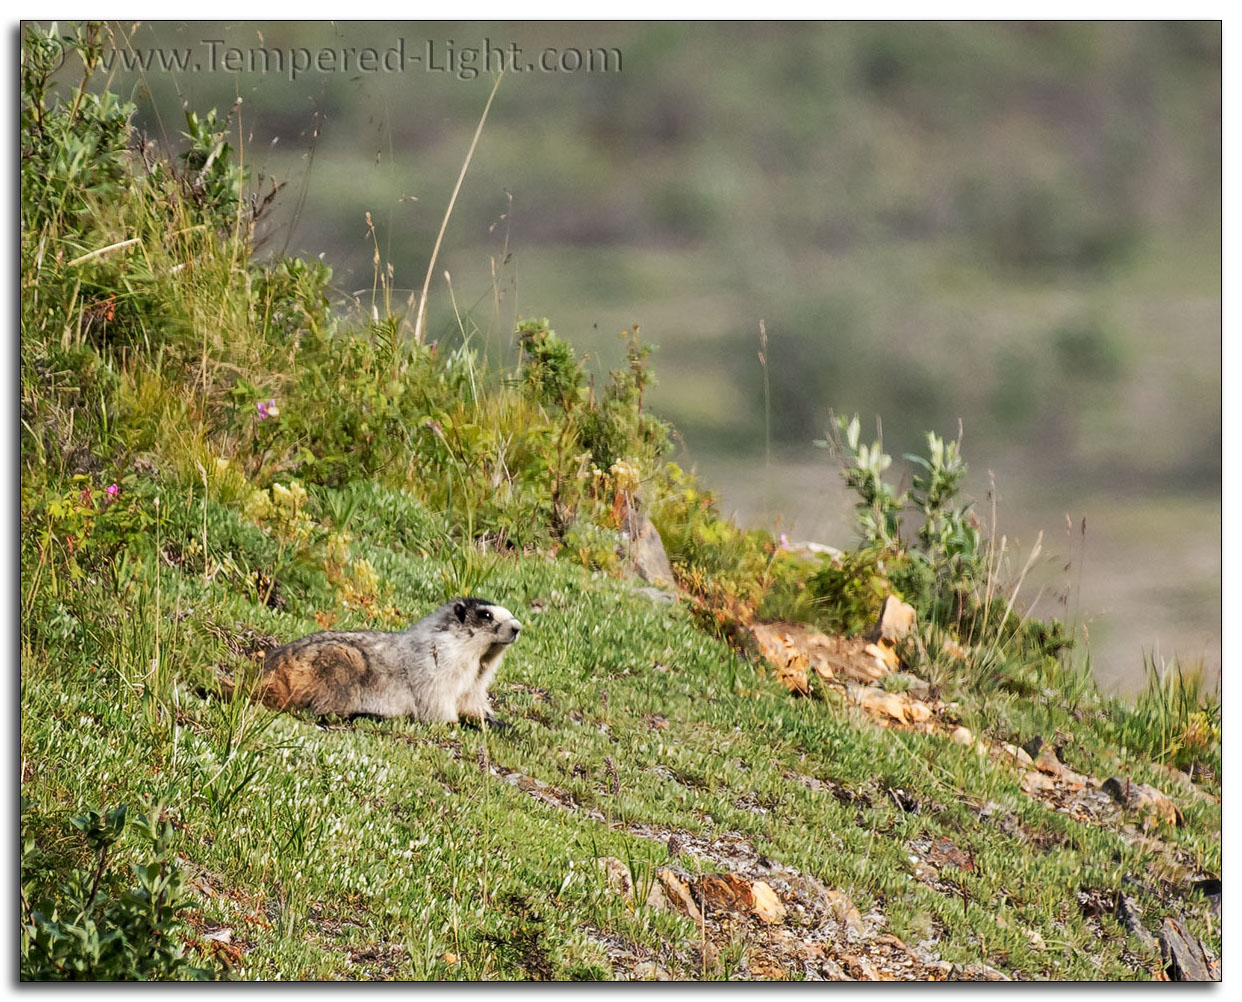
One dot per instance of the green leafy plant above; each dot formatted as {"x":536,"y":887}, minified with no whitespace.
{"x":91,"y":931}
{"x":551,"y":371}
{"x":879,"y":506}
{"x":211,"y":179}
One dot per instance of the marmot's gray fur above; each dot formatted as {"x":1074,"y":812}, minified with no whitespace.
{"x":437,"y":670}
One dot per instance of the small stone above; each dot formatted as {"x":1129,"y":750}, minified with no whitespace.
{"x":670,"y":893}
{"x":895,"y":622}
{"x":890,"y":705}
{"x":918,"y":712}
{"x":1018,"y":754}
{"x":779,"y":649}
{"x":1034,"y":782}
{"x":618,"y":876}
{"x":1130,"y":916}
{"x":767,"y":905}
{"x":650,"y":560}
{"x":884,"y":655}
{"x":979,"y":972}
{"x":649,"y":971}
{"x":962,"y":736}
{"x":1047,"y":762}
{"x":1183,"y":955}
{"x":1143,"y":799}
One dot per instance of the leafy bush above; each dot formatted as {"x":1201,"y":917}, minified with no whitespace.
{"x":90,"y":931}
{"x":550,"y":369}
{"x":75,"y":145}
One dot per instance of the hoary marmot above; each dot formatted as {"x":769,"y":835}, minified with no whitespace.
{"x":437,"y":670}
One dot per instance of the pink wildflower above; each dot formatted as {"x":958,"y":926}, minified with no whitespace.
{"x":784,"y":542}
{"x":267,"y":409}
{"x":113,"y":492}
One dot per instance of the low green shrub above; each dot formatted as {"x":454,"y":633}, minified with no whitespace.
{"x":87,"y":926}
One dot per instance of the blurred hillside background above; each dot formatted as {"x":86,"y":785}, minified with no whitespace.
{"x":1016,"y":226}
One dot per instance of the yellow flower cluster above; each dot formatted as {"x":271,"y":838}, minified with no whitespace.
{"x":282,"y":510}
{"x":625,"y":476}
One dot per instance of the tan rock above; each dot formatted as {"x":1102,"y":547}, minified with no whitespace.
{"x":1144,"y":800}
{"x":829,"y":657}
{"x":672,"y":894}
{"x":962,"y":736}
{"x":889,"y":705}
{"x":843,"y":910}
{"x":650,"y":560}
{"x":618,"y":876}
{"x":895,"y":622}
{"x":1036,"y":782}
{"x":767,"y":906}
{"x":917,"y":711}
{"x":1048,"y":764}
{"x":885,"y":656}
{"x":649,"y":971}
{"x":780,"y":650}
{"x":1018,"y":755}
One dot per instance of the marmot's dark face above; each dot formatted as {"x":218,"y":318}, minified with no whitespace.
{"x":479,"y":616}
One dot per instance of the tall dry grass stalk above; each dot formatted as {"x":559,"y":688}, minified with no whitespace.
{"x":448,"y":212}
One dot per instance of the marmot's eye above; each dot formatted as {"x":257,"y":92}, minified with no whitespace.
{"x":484,"y":614}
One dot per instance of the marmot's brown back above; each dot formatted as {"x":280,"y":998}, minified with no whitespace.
{"x":321,"y":673}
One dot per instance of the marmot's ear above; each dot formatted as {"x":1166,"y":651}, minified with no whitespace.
{"x":460,"y":609}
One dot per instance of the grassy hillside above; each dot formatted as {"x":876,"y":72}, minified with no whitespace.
{"x":215,"y":459}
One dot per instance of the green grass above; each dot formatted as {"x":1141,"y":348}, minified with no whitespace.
{"x":391,"y":831}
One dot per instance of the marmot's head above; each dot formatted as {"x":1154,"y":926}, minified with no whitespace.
{"x":478,"y":617}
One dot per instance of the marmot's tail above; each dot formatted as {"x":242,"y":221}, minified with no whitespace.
{"x":222,"y":685}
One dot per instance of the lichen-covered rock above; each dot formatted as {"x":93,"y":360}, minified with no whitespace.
{"x":1144,"y":800}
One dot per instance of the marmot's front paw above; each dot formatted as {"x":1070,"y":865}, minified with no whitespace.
{"x":493,"y":724}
